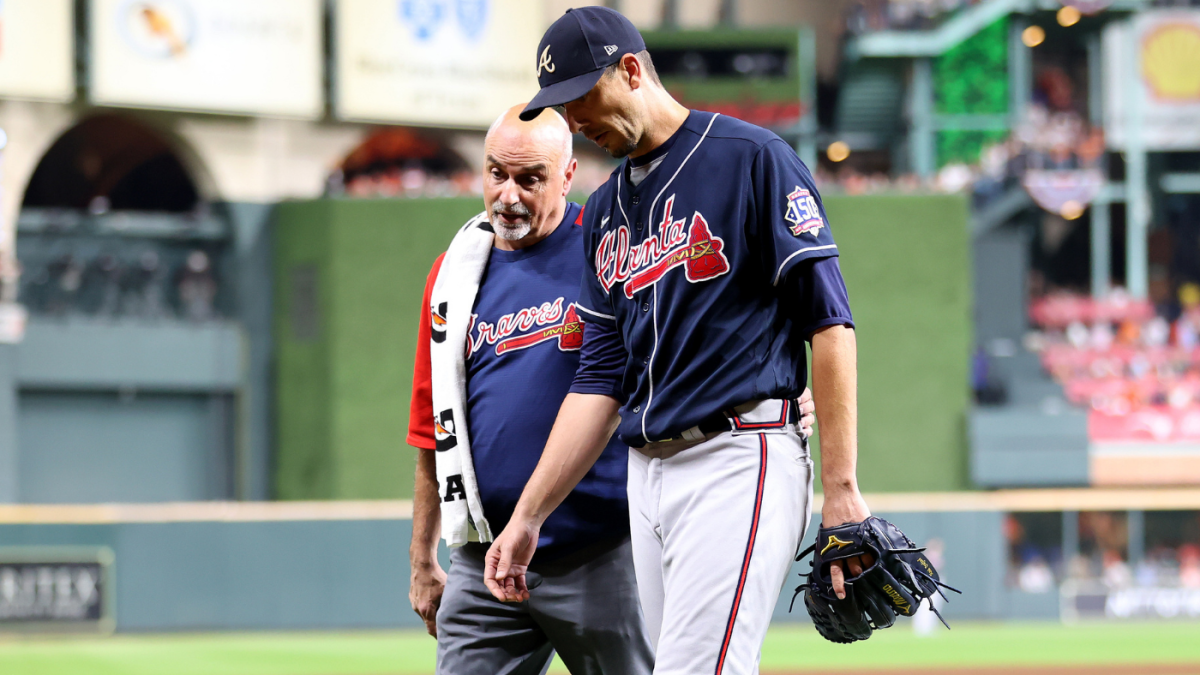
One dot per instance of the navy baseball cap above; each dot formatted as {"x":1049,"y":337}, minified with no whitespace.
{"x":575,"y":51}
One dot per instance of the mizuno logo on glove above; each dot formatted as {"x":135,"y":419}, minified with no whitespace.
{"x":835,"y":542}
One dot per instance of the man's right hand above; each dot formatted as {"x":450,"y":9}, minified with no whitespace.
{"x":425,"y":592}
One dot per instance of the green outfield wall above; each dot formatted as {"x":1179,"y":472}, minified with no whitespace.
{"x":907,"y":264}
{"x":349,"y":276}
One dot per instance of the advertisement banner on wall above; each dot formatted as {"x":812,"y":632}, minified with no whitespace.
{"x":258,"y":57}
{"x":50,"y":588}
{"x":455,"y":63}
{"x":37,"y":49}
{"x":1155,"y":57}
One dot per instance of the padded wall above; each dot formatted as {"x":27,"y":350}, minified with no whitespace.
{"x":343,"y":385}
{"x":907,"y":262}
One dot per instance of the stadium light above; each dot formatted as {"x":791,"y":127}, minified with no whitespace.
{"x":1068,"y":15}
{"x":1033,"y":36}
{"x":837,"y":151}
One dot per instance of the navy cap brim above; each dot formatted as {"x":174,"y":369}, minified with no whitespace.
{"x":560,"y":93}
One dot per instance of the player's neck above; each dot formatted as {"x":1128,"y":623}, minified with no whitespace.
{"x":547,"y":228}
{"x":664,"y":117}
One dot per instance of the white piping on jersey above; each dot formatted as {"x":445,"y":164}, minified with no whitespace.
{"x":650,"y":216}
{"x":588,"y":311}
{"x":650,"y":221}
{"x":650,"y":366}
{"x":803,"y":250}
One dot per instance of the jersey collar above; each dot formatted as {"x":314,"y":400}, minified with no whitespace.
{"x":694,"y":125}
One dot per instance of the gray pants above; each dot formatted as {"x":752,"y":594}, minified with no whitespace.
{"x":585,"y":607}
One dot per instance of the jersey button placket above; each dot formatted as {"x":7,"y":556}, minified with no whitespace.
{"x":635,"y":200}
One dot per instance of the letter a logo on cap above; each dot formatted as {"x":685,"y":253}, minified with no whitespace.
{"x":545,"y":62}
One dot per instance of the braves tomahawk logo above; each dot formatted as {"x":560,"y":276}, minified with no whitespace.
{"x":443,"y":431}
{"x":437,"y":323}
{"x":675,"y":244}
{"x":802,"y":213}
{"x":569,"y":334}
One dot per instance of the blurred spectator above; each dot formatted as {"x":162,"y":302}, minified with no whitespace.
{"x":1035,"y":576}
{"x":197,"y":287}
{"x":142,"y":288}
{"x":101,"y":293}
{"x":65,"y":279}
{"x":1189,"y":565}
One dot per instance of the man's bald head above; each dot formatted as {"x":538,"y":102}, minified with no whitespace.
{"x":527,"y":172}
{"x":548,"y":129}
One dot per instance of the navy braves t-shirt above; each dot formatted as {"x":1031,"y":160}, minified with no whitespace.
{"x":525,"y":340}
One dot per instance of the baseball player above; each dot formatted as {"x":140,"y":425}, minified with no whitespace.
{"x":522,"y":339}
{"x":709,"y":266}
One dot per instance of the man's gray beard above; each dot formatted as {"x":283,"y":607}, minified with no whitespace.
{"x":511,"y":233}
{"x":507,"y":232}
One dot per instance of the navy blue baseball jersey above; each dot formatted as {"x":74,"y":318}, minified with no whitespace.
{"x":692,"y":268}
{"x":524,"y":346}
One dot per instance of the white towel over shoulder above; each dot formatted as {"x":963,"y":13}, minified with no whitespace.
{"x":453,"y":297}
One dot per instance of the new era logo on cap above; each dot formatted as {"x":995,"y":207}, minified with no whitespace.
{"x":575,"y":51}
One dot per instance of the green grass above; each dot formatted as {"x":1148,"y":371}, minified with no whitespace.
{"x":788,"y":648}
{"x":983,"y":644}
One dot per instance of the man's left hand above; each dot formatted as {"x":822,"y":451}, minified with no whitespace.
{"x":808,"y":416}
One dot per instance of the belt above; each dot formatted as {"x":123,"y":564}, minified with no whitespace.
{"x":729,"y":420}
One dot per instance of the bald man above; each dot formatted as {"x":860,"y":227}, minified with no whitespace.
{"x":523,"y":348}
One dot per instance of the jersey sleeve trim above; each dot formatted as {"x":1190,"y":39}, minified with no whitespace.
{"x":596,"y":314}
{"x":783,"y":266}
{"x":811,"y":329}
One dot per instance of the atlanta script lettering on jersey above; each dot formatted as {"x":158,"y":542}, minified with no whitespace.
{"x":675,"y":243}
{"x":565,"y":327}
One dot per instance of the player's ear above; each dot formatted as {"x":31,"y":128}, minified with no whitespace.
{"x":569,"y":175}
{"x":634,"y":73}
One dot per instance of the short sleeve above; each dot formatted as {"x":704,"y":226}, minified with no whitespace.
{"x":420,"y":409}
{"x":820,"y":297}
{"x":601,"y":363}
{"x":594,"y":303}
{"x":790,"y":218}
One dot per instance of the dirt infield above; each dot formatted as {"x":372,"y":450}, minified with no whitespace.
{"x":1127,"y":669}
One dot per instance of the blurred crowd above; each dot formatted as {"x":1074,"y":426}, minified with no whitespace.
{"x":109,"y":286}
{"x":1171,"y":558}
{"x":401,"y":162}
{"x":867,"y":16}
{"x":1118,"y":356}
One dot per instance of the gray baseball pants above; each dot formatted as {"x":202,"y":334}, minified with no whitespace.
{"x":585,"y":607}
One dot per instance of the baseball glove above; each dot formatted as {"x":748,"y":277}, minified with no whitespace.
{"x":895,"y":584}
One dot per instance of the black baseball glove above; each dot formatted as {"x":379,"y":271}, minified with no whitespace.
{"x":896,"y":583}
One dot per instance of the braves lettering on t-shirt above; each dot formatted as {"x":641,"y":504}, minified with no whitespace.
{"x":523,"y":350}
